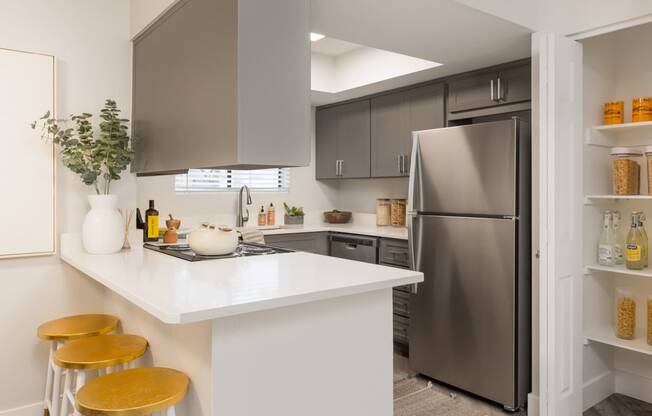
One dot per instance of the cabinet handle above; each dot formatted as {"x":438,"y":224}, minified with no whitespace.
{"x":337,"y":168}
{"x":406,"y":167}
{"x":492,"y":90}
{"x":499,"y":91}
{"x":341,"y":167}
{"x":399,"y":163}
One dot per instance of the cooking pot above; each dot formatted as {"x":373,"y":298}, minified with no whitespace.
{"x":209,"y":240}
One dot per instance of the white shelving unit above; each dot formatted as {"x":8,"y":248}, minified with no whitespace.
{"x":619,"y":269}
{"x":590,"y":199}
{"x":607,"y":336}
{"x":637,"y":134}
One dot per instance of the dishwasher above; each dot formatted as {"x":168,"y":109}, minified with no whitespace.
{"x":354,"y":247}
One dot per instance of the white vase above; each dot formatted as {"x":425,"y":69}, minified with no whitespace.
{"x":103,"y":228}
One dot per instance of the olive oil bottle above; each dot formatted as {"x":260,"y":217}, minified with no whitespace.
{"x":635,"y":245}
{"x":151,"y":222}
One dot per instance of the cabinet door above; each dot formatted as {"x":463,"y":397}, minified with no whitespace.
{"x":426,"y":112}
{"x":471,"y":93}
{"x":515,"y":84}
{"x":390,"y":134}
{"x":311,"y":242}
{"x":326,"y":143}
{"x":353,"y":139}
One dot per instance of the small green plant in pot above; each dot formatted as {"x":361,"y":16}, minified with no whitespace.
{"x":293,"y":215}
{"x":98,"y":156}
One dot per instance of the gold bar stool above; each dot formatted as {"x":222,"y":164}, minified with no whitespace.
{"x":102,"y":353}
{"x":65,"y":329}
{"x":133,"y":392}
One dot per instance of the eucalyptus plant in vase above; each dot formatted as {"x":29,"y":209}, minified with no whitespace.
{"x":98,"y":156}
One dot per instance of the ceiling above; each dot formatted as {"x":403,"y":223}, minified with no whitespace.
{"x":460,"y":37}
{"x":333,"y":47}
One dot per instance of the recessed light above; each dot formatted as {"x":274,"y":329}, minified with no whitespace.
{"x":314,"y":37}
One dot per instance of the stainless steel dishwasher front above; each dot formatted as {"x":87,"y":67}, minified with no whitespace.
{"x":354,"y":247}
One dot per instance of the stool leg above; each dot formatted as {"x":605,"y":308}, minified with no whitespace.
{"x":54,"y":409}
{"x":48,"y":379}
{"x":67,"y":394}
{"x":79,"y":383}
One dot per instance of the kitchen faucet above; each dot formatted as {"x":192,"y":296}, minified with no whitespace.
{"x":241,"y":218}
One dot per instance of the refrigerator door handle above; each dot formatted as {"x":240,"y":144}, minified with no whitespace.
{"x":414,"y":238}
{"x":414,"y":184}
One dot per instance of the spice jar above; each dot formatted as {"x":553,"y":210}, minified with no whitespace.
{"x":649,"y":320}
{"x":625,"y":171}
{"x":383,"y":210}
{"x":398,"y":212}
{"x":625,"y":314}
{"x":641,"y":109}
{"x":614,"y":112}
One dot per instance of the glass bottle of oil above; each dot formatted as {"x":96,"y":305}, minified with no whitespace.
{"x":641,"y":227}
{"x":634,"y":245}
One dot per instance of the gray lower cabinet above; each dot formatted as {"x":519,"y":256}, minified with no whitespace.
{"x":393,"y":119}
{"x":343,"y":141}
{"x":311,"y":242}
{"x":395,"y":253}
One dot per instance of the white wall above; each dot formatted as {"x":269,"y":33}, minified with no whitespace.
{"x":90,"y":40}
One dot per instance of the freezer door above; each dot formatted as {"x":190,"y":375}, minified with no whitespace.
{"x":466,"y":170}
{"x":462,"y":317}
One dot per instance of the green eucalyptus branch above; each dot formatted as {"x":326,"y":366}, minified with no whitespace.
{"x":97,"y":159}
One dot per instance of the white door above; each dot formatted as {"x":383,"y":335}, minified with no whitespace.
{"x":557,"y":135}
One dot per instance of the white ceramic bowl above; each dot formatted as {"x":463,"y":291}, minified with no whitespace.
{"x":209,"y":240}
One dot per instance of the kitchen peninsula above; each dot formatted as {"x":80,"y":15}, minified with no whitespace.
{"x":283,"y":334}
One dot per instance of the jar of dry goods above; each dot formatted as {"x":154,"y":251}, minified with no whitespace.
{"x":649,"y":320}
{"x":383,"y":211}
{"x":642,"y":109}
{"x":398,"y":212}
{"x":614,"y":112}
{"x":625,"y":314}
{"x":648,"y":156}
{"x":625,"y":171}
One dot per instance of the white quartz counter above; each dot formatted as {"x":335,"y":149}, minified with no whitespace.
{"x":178,"y":291}
{"x":400,"y":233}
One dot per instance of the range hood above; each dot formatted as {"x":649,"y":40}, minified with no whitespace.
{"x":222,"y":84}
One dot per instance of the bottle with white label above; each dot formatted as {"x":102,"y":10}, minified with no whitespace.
{"x":618,"y":238}
{"x":605,"y":243}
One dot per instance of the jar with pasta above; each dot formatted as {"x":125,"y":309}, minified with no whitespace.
{"x":625,"y":323}
{"x":398,"y":212}
{"x":625,"y":170}
{"x":383,"y":211}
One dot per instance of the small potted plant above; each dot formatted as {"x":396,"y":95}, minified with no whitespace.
{"x":293,"y":215}
{"x":98,"y":157}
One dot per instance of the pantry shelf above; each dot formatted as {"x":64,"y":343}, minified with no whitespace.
{"x":637,"y":134}
{"x":606,"y":336}
{"x":620,"y":269}
{"x":589,"y":199}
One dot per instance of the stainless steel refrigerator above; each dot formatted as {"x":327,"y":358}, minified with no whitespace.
{"x":469,"y":228}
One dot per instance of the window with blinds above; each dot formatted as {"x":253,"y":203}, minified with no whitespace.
{"x":225,"y":180}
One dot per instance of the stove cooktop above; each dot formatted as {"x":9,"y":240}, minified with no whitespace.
{"x":184,"y":252}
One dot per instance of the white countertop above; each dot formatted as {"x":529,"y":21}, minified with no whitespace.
{"x":179,"y":291}
{"x":400,"y":233}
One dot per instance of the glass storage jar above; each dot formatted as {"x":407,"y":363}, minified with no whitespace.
{"x":625,"y":171}
{"x":641,"y":109}
{"x":383,"y":211}
{"x":614,"y":112}
{"x":625,"y":311}
{"x":398,"y":212}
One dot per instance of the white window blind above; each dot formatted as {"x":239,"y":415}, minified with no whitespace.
{"x":220,"y":180}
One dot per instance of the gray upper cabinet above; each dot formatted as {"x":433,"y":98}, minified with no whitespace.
{"x":490,"y":92}
{"x":473,"y":92}
{"x":515,"y":84}
{"x":393,"y":119}
{"x":343,"y":141}
{"x":202,"y":96}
